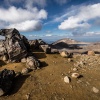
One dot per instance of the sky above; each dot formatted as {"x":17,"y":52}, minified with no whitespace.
{"x":51,"y":18}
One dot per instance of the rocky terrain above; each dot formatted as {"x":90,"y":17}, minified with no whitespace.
{"x":48,"y":82}
{"x":64,"y":70}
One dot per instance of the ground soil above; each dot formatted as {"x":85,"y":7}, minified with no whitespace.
{"x":48,"y":83}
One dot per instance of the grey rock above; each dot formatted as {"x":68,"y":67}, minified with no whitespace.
{"x":66,"y":79}
{"x":23,"y":60}
{"x":25,"y":70}
{"x":65,"y":54}
{"x":5,"y":57}
{"x":95,"y":90}
{"x":32,"y":63}
{"x":75,"y":69}
{"x":75,"y":75}
{"x":1,"y":92}
{"x":16,"y":45}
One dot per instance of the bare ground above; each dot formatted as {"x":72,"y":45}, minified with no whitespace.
{"x":47,"y":83}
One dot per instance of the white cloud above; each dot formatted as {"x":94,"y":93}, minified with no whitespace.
{"x":27,"y":26}
{"x":91,"y":33}
{"x":80,"y":20}
{"x":14,"y":14}
{"x":48,"y":35}
{"x":60,"y":17}
{"x":22,"y":19}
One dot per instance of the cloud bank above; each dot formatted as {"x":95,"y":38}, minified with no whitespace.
{"x":24,"y":19}
{"x":81,"y":18}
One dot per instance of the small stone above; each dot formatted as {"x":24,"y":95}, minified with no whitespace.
{"x":79,"y":81}
{"x":23,"y":60}
{"x":51,"y":74}
{"x":66,"y":79}
{"x":18,"y":74}
{"x":70,"y":60}
{"x":75,"y":75}
{"x":69,"y":72}
{"x":25,"y":71}
{"x":71,"y":86}
{"x":27,"y":96}
{"x":75,"y":69}
{"x":5,"y":58}
{"x":91,"y":53}
{"x":1,"y":92}
{"x":62,"y":74}
{"x":95,"y":90}
{"x":64,"y":54}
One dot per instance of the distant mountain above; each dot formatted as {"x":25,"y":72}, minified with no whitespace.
{"x":67,"y":43}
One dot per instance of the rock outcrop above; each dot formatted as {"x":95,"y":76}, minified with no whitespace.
{"x":15,"y":45}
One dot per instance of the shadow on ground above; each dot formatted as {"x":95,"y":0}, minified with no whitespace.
{"x":43,"y":64}
{"x":17,"y":84}
{"x":2,"y":63}
{"x":39,"y":55}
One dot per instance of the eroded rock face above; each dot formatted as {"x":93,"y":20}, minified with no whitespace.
{"x":15,"y":45}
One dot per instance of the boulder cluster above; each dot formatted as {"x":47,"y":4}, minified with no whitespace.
{"x":17,"y":48}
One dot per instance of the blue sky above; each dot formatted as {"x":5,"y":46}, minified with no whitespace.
{"x":51,"y":18}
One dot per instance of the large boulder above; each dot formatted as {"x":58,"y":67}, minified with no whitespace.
{"x":16,"y":45}
{"x":32,"y":63}
{"x":35,"y":44}
{"x":6,"y":80}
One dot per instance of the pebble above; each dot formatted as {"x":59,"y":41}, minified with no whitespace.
{"x":75,"y":69}
{"x":5,"y":58}
{"x":1,"y":92}
{"x":66,"y":79}
{"x":71,"y":86}
{"x":23,"y":60}
{"x":79,"y":81}
{"x":64,"y":54}
{"x":18,"y":74}
{"x":95,"y":90}
{"x":91,"y":53}
{"x":69,"y":60}
{"x":25,"y":71}
{"x":75,"y":75}
{"x":27,"y":96}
